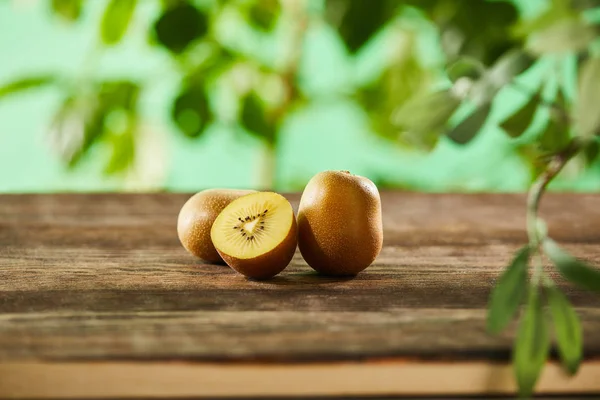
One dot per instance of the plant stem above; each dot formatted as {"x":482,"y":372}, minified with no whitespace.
{"x":534,"y":197}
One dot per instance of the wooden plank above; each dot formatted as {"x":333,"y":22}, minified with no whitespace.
{"x":99,"y":283}
{"x":292,"y":336}
{"x":185,"y":380}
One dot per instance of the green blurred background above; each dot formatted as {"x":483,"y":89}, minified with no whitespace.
{"x":328,"y":129}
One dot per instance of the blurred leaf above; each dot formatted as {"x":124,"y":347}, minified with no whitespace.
{"x":263,"y":14}
{"x":179,"y":26}
{"x":560,"y":100}
{"x":82,"y":120}
{"x":406,"y":77}
{"x":403,"y":81}
{"x":567,"y":328}
{"x":373,"y":100}
{"x":171,"y":3}
{"x":571,"y":269}
{"x":485,"y":25}
{"x":190,"y":111}
{"x":255,"y":120}
{"x":508,"y":292}
{"x":465,"y":131}
{"x":75,"y":127}
{"x":568,"y":35}
{"x":518,"y":123}
{"x":554,"y":137}
{"x":591,"y":152}
{"x":424,"y":118}
{"x":533,"y":157}
{"x":122,"y":151}
{"x":70,"y":10}
{"x":115,"y":20}
{"x":511,"y":64}
{"x":585,"y":4}
{"x":482,"y":91}
{"x":118,"y":94}
{"x":357,"y":21}
{"x":587,"y":116}
{"x":66,"y":132}
{"x":555,"y":12}
{"x":476,"y":28}
{"x":532,"y":345}
{"x":465,"y":67}
{"x":211,"y":65}
{"x":23,"y":84}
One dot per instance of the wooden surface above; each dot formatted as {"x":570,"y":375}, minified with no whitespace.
{"x":97,"y":287}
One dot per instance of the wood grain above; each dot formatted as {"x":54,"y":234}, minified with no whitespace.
{"x":102,"y":280}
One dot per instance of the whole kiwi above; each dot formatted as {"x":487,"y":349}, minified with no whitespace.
{"x":340,"y":229}
{"x":196,"y":219}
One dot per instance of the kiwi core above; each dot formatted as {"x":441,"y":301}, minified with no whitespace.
{"x":252,"y":225}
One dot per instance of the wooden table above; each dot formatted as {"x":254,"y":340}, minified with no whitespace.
{"x":97,"y":298}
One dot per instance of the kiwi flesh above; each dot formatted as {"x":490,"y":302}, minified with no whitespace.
{"x":256,"y":234}
{"x":196,"y":217}
{"x":340,"y":228}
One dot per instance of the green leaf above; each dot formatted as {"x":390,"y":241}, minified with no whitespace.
{"x":591,"y":152}
{"x":465,"y":67}
{"x":69,"y":10}
{"x":567,"y":35}
{"x":555,"y":12}
{"x":179,"y":26}
{"x":474,"y":28}
{"x":587,"y":117}
{"x":191,"y":111}
{"x":77,"y":124}
{"x":122,"y":152}
{"x":23,"y":84}
{"x":263,"y":14}
{"x":511,"y":64}
{"x":567,"y":329}
{"x":115,"y":20}
{"x":585,"y":4}
{"x":518,"y":123}
{"x":465,"y":131}
{"x":118,"y":94}
{"x":533,"y":157}
{"x":531,"y":346}
{"x":554,"y":137}
{"x":358,"y":21}
{"x":84,"y":120}
{"x":508,"y":292}
{"x":401,"y":83}
{"x":424,"y":118}
{"x":255,"y":120}
{"x":572,"y":269}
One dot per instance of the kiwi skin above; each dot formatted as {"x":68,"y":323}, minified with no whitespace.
{"x":197,"y":216}
{"x":269,"y":264}
{"x":340,"y":228}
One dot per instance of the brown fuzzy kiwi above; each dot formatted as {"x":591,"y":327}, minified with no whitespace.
{"x":197,"y":216}
{"x":256,"y":234}
{"x":340,"y":229}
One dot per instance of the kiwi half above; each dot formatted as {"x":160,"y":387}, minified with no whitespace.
{"x":197,"y":216}
{"x":256,"y":234}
